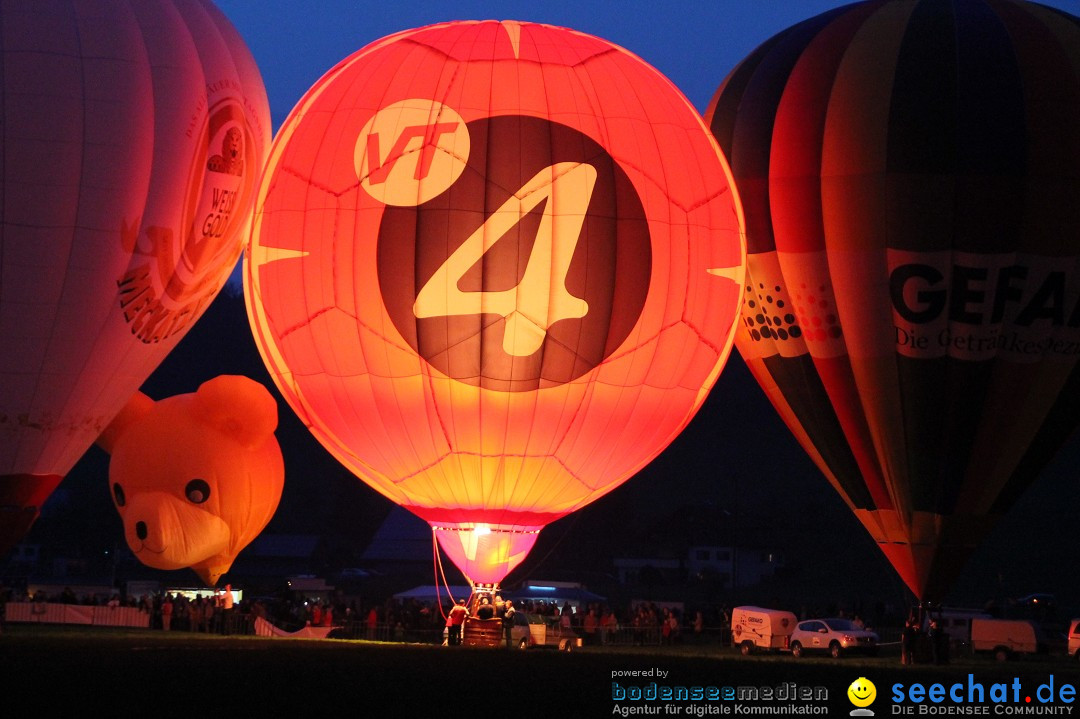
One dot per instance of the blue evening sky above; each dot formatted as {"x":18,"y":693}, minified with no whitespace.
{"x":695,"y":43}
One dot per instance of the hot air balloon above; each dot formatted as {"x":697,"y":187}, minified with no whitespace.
{"x":195,"y":477}
{"x":133,"y":135}
{"x":908,"y":170}
{"x":495,"y":268}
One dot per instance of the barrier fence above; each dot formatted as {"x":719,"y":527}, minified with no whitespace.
{"x":102,"y":616}
{"x":105,"y":616}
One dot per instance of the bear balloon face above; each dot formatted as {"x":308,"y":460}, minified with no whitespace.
{"x":196,"y":477}
{"x":172,"y":498}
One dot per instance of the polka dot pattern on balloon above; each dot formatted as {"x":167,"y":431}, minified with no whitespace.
{"x":815,"y":305}
{"x":767,"y":313}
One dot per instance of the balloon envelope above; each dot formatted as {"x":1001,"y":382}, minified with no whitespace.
{"x":133,"y":134}
{"x":909,"y":175}
{"x":495,"y":268}
{"x":195,"y":477}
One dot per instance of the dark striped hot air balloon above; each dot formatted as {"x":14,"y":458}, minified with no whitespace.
{"x":910,"y":174}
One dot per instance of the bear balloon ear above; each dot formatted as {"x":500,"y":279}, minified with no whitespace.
{"x":240,"y":407}
{"x":137,"y":407}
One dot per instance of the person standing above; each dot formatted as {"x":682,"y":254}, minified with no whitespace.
{"x":939,"y":642}
{"x":454,"y":621}
{"x":227,"y":603}
{"x":166,"y":613}
{"x":907,"y":641}
{"x":485,"y":610}
{"x":609,"y":625}
{"x":209,"y":615}
{"x":197,"y":613}
{"x":672,"y":621}
{"x":508,"y":622}
{"x":590,"y":624}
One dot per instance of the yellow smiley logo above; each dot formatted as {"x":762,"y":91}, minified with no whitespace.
{"x":862,"y":692}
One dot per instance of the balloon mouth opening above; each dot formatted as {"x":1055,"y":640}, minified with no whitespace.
{"x":483,"y":528}
{"x":485,"y":553}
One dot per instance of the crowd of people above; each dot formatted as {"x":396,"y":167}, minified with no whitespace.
{"x":214,"y":612}
{"x":598,"y":623}
{"x":923,"y":639}
{"x":414,"y":620}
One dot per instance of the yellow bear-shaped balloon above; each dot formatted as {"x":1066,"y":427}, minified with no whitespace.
{"x":197,"y":476}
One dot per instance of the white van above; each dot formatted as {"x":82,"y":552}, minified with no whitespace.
{"x":957,"y":624}
{"x":1074,"y":639}
{"x":1004,"y":637}
{"x":757,"y":628}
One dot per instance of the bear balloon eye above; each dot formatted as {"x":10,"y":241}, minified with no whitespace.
{"x":197,"y":491}
{"x":118,"y":494}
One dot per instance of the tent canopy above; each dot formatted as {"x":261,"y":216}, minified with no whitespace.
{"x":432,"y":593}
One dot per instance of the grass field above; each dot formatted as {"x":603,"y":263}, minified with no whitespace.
{"x":88,"y":672}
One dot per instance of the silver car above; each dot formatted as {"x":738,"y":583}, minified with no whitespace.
{"x":834,"y":636}
{"x":534,"y":630}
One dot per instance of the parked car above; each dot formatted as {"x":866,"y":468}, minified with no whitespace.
{"x":833,"y":636}
{"x":537,"y":630}
{"x":1074,"y":639}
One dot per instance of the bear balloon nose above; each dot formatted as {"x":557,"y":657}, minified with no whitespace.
{"x":140,"y":530}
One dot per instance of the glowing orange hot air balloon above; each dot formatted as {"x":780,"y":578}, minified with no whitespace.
{"x":195,"y":476}
{"x":495,"y":268}
{"x":909,"y":175}
{"x":133,"y":135}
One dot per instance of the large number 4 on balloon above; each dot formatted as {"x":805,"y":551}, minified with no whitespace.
{"x":541,"y":298}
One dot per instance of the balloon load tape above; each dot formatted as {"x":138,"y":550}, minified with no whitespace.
{"x":483,"y":529}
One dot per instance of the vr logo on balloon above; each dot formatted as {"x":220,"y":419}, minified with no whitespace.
{"x":411,"y":151}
